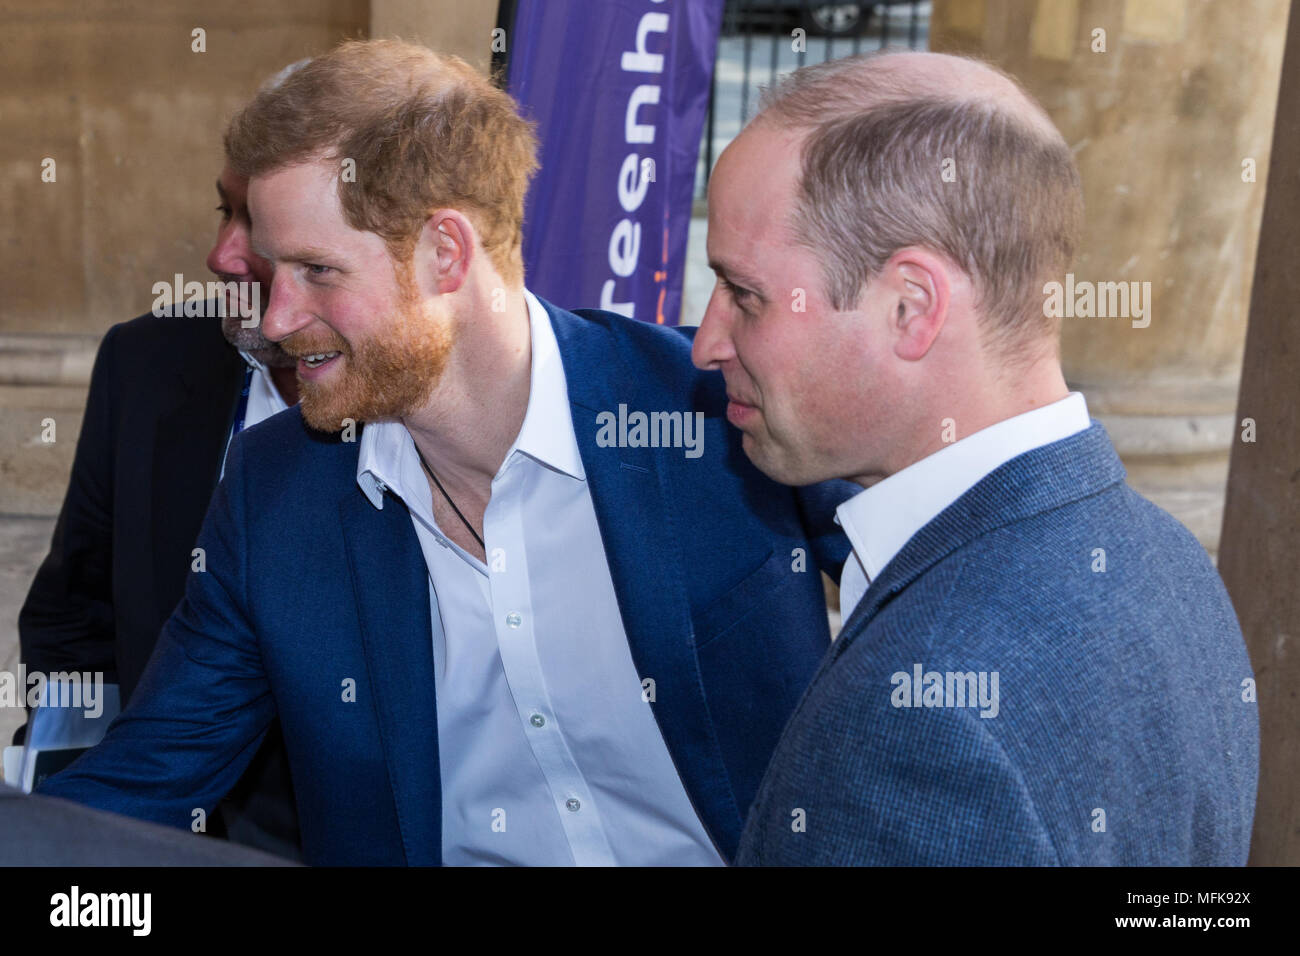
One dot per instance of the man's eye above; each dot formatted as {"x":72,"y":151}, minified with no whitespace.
{"x":739,"y":294}
{"x":225,"y":211}
{"x":317,"y":270}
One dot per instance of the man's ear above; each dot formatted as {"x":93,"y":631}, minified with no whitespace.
{"x":447,"y":247}
{"x":919,"y":292}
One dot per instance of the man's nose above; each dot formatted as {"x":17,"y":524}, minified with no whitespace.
{"x":713,"y":340}
{"x":284,"y":313}
{"x":232,"y":254}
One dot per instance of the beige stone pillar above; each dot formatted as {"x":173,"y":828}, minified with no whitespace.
{"x":1260,"y":554}
{"x":1167,"y":105}
{"x":130,"y":105}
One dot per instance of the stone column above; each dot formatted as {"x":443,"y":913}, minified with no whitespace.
{"x":1168,"y":105}
{"x":1261,"y":528}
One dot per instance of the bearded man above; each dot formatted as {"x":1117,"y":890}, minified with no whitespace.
{"x":489,"y":637}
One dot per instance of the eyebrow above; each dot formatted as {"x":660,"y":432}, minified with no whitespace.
{"x":731,"y":273}
{"x":306,"y":254}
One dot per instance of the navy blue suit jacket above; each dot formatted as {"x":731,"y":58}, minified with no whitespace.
{"x":1124,"y":731}
{"x":160,"y":408}
{"x":308,"y":586}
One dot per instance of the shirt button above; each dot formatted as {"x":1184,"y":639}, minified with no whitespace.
{"x":573,"y":805}
{"x":514,"y":619}
{"x":537,"y":720}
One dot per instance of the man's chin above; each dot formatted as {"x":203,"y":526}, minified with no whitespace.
{"x":323,"y":411}
{"x":778,"y":464}
{"x":323,"y":419}
{"x":328,"y":411}
{"x":374,"y":381}
{"x":248,"y":338}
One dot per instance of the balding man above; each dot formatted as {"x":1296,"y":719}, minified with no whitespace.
{"x":1038,"y":666}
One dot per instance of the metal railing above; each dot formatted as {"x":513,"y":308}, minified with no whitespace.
{"x":760,"y":42}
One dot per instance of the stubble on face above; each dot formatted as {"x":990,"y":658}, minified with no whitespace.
{"x":383,"y":378}
{"x":252,"y":341}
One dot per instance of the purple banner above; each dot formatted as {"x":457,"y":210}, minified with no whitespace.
{"x":619,"y":90}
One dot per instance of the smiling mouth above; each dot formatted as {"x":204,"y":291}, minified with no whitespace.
{"x":319,"y":359}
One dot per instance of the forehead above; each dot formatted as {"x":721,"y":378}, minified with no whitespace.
{"x":296,"y":204}
{"x":233,"y":184}
{"x":279,"y":187}
{"x":752,"y":188}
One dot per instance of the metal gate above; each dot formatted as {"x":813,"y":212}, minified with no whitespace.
{"x":761,"y":40}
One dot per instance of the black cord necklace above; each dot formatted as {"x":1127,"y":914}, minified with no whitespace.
{"x":469,"y":527}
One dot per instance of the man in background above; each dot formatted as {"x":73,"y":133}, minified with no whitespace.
{"x":167,"y":395}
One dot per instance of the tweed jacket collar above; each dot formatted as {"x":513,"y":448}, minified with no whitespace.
{"x":1029,"y":484}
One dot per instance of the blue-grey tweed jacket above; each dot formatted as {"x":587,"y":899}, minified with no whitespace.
{"x":1124,"y":729}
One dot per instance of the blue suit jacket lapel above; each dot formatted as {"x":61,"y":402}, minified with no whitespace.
{"x":391,"y":587}
{"x":645,"y":564}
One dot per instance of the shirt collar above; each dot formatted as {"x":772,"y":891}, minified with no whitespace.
{"x":263,"y":383}
{"x":251,"y":362}
{"x":546,"y":434}
{"x":881,"y":519}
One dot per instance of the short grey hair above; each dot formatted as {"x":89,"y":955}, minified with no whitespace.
{"x":872,"y":184}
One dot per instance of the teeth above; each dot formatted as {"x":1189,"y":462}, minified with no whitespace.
{"x":319,"y":358}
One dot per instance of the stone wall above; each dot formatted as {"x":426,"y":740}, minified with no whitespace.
{"x":1162,"y":108}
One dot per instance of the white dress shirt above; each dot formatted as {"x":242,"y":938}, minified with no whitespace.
{"x":881,"y":519}
{"x":264,"y":400}
{"x":549,"y":755}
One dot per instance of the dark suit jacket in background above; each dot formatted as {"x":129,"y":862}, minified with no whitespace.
{"x":161,"y":404}
{"x":1120,"y":691}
